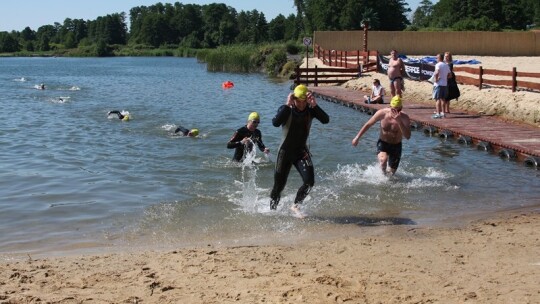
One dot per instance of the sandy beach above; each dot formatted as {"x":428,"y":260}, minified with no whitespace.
{"x":489,"y":258}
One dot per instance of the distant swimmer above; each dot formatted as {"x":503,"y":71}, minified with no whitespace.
{"x":41,"y":87}
{"x":124,"y":115}
{"x":186,"y":132}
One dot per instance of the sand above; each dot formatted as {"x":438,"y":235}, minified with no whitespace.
{"x":492,"y":259}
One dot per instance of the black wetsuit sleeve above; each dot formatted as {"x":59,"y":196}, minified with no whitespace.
{"x":259,"y":141}
{"x":120,"y":116}
{"x":320,"y":114}
{"x":281,"y":116}
{"x":182,"y":129}
{"x":235,"y":141}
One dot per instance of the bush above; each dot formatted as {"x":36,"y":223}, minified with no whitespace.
{"x":293,"y":48}
{"x":288,"y":69}
{"x":275,"y":61}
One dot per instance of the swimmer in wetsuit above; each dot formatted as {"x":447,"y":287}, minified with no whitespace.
{"x":245,"y":137}
{"x":186,"y":132}
{"x":394,"y":126}
{"x":125,"y":116}
{"x":295,"y":119}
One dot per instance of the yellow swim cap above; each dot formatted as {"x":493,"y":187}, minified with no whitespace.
{"x":254,"y":116}
{"x":300,"y":91}
{"x":126,"y":118}
{"x":194,"y":132}
{"x":396,"y":102}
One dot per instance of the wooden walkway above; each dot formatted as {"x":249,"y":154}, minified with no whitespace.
{"x":508,"y":140}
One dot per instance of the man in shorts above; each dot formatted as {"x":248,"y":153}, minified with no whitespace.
{"x":394,"y":126}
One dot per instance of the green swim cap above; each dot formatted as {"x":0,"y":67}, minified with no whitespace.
{"x":396,"y":102}
{"x":254,"y":116}
{"x":300,"y":91}
{"x":194,"y":132}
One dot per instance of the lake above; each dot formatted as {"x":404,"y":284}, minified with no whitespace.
{"x":74,"y":180}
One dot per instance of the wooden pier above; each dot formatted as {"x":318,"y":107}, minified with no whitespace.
{"x":515,"y":141}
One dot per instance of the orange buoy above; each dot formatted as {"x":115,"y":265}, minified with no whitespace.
{"x":227,"y":84}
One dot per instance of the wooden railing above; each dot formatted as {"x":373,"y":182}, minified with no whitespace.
{"x":344,"y":66}
{"x":318,"y":75}
{"x":368,"y":61}
{"x":347,"y":59}
{"x":510,"y":81}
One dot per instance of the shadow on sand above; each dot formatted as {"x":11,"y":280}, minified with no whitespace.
{"x":363,"y":220}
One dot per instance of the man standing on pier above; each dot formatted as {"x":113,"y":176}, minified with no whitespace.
{"x":394,"y":126}
{"x":396,"y":72}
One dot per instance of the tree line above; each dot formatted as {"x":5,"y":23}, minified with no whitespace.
{"x":213,"y":25}
{"x":205,"y":26}
{"x":477,"y":15}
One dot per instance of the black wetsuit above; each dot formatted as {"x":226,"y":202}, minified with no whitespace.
{"x":183,"y":130}
{"x":120,"y":116}
{"x":294,"y":151}
{"x":236,"y":142}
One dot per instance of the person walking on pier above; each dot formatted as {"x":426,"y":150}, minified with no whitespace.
{"x":394,"y":126}
{"x":295,"y":118}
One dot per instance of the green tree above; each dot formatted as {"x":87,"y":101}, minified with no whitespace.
{"x":213,"y":14}
{"x":8,"y":43}
{"x":483,"y":14}
{"x":188,"y":22}
{"x":28,"y":34}
{"x":152,"y":30}
{"x":276,"y":28}
{"x":44,"y":36}
{"x":422,"y":14}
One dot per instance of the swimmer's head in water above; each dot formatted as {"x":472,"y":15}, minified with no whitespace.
{"x":300,"y":91}
{"x":396,"y":102}
{"x":194,"y":132}
{"x":126,"y":117}
{"x":254,"y":116}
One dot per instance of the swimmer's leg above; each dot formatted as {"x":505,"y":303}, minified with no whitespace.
{"x":283,"y":167}
{"x":307,"y":172}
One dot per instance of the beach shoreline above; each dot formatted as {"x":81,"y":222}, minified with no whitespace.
{"x":493,"y":259}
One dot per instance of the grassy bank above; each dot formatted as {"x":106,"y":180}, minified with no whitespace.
{"x":271,"y":59}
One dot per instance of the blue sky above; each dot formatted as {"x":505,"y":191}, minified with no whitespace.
{"x":18,"y":14}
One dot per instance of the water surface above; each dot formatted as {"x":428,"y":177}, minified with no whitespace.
{"x":74,"y":180}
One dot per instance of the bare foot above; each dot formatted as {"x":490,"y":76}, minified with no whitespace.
{"x":297,"y":212}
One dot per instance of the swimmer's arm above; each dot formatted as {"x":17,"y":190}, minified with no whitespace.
{"x":235,"y":141}
{"x":320,"y":114}
{"x":405,"y":125}
{"x":403,"y":71}
{"x":282,"y":114}
{"x":182,"y":129}
{"x":376,"y":117}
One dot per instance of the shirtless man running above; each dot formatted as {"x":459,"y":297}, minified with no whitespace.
{"x":394,"y":126}
{"x":396,"y":71}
